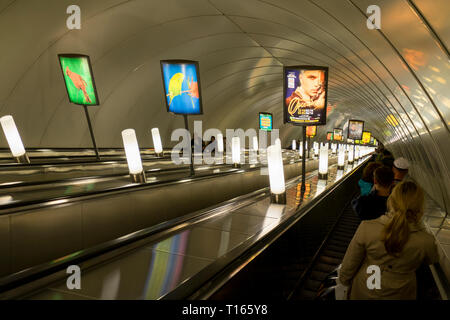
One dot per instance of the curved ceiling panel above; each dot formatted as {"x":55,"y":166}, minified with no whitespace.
{"x":400,"y":72}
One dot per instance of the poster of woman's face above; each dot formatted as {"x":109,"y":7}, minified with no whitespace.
{"x":355,"y":129}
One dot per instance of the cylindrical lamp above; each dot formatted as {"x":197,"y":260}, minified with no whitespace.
{"x":333,"y":148}
{"x":341,"y":158}
{"x":276,"y":175}
{"x":357,"y":153}
{"x":255,"y":143}
{"x":323,"y":162}
{"x":157,"y":142}
{"x":220,"y":143}
{"x":350,"y":155}
{"x":14,"y":140}
{"x":236,"y":151}
{"x":316,"y":149}
{"x":219,"y":153}
{"x":300,"y":150}
{"x":133,"y":156}
{"x":294,"y":145}
{"x":278,"y":142}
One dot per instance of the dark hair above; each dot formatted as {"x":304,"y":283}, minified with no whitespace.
{"x":387,"y":161}
{"x":384,"y":176}
{"x":386,"y":152}
{"x":367,"y":174}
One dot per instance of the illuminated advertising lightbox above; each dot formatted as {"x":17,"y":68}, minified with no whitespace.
{"x":265,"y":121}
{"x":365,"y":137}
{"x":311,"y":131}
{"x":337,"y":134}
{"x":329,"y":136}
{"x":355,"y":129}
{"x":305,"y":95}
{"x":79,"y":79}
{"x":181,"y":80}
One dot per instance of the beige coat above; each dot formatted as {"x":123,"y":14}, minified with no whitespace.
{"x":398,"y":278}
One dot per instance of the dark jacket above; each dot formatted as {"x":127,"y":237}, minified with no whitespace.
{"x":370,"y":206}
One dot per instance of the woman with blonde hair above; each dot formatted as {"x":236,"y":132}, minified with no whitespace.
{"x":384,"y":254}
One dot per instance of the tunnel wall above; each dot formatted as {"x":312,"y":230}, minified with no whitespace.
{"x":394,"y":78}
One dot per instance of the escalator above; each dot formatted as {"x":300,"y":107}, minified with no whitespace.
{"x":329,"y":256}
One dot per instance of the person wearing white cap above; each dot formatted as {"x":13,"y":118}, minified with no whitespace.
{"x":400,"y":169}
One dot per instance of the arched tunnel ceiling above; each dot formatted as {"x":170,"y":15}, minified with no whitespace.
{"x":401,"y":69}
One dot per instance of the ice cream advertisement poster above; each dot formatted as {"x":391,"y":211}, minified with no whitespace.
{"x":181,"y":82}
{"x":79,"y":80}
{"x":366,"y":137}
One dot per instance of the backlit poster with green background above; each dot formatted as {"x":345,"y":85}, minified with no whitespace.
{"x":79,"y":79}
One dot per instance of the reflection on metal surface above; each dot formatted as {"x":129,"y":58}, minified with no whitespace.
{"x":392,"y":120}
{"x":111,"y":285}
{"x":415,"y":58}
{"x":224,"y":239}
{"x":321,"y":186}
{"x":56,"y":202}
{"x":339,"y":175}
{"x":5,"y":199}
{"x":299,"y":197}
{"x":165,"y":270}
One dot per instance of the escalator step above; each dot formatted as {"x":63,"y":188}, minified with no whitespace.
{"x":348,"y":226}
{"x":338,"y":248}
{"x":307,"y":295}
{"x":343,"y":235}
{"x":312,"y":285}
{"x":338,"y":243}
{"x":324,"y":267}
{"x":340,"y":238}
{"x":330,"y":260}
{"x":332,"y":254}
{"x":318,"y":275}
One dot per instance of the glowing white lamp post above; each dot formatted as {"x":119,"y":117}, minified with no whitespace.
{"x":350,"y":155}
{"x":236,"y":151}
{"x":341,"y":158}
{"x":220,"y":143}
{"x":278,"y":142}
{"x":133,"y":156}
{"x":14,"y":140}
{"x":276,"y":175}
{"x":316,"y":149}
{"x":323,"y":162}
{"x":255,"y":143}
{"x":333,"y":148}
{"x":294,"y":145}
{"x":300,"y":150}
{"x":157,"y":142}
{"x":357,"y":153}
